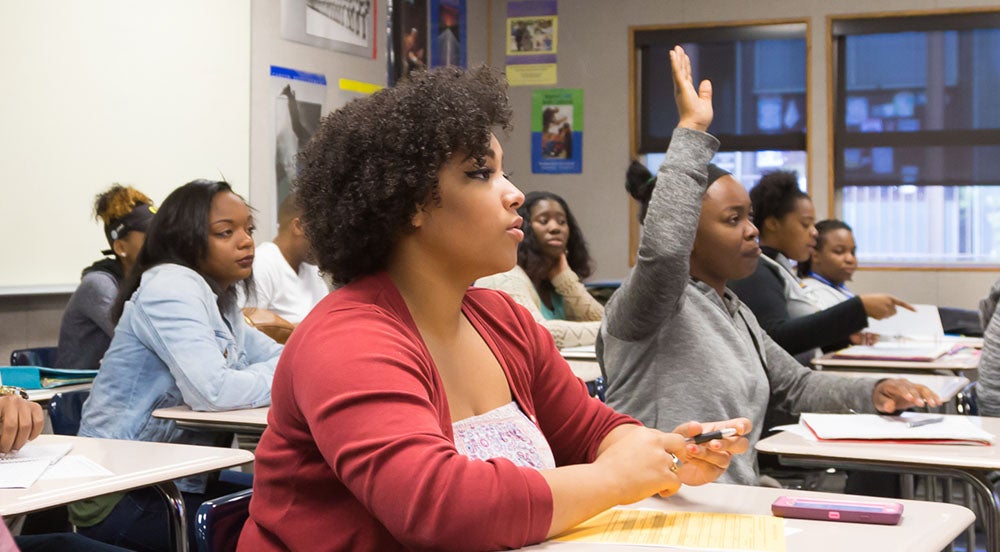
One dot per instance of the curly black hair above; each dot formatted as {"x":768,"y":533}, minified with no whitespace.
{"x":774,"y":196}
{"x":529,"y":252}
{"x":823,"y":228}
{"x":374,"y":162}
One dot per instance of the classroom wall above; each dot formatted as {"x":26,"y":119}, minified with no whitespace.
{"x":593,"y":55}
{"x":32,"y":320}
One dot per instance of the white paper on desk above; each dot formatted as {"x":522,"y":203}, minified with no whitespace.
{"x":21,"y":474}
{"x":916,"y":351}
{"x":75,"y":465}
{"x":951,"y":429}
{"x":923,"y":324}
{"x":34,"y":451}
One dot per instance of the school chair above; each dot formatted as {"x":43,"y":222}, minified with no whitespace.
{"x":65,"y":411}
{"x":965,"y":400}
{"x":219,"y":521}
{"x":36,"y":356}
{"x":597,"y":387}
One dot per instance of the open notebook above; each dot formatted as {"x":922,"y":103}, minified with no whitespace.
{"x":905,"y":428}
{"x":915,"y":351}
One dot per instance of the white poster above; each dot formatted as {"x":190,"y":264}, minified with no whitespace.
{"x":298,"y":107}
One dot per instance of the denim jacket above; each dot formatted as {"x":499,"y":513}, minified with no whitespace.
{"x":172,"y":346}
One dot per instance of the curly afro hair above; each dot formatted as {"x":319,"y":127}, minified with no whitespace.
{"x":774,"y":196}
{"x":373,"y":163}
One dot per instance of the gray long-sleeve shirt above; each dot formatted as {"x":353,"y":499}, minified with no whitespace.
{"x":674,"y":350}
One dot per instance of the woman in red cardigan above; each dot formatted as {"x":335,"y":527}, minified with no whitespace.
{"x":410,"y":411}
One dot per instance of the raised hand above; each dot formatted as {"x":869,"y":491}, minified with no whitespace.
{"x":693,"y":106}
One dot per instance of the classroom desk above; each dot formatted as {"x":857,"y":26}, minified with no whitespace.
{"x":134,"y":464}
{"x":583,"y":362}
{"x":971,"y":464}
{"x":43,"y":396}
{"x":964,"y":360}
{"x":249,"y":420}
{"x":945,"y":386}
{"x":926,"y":526}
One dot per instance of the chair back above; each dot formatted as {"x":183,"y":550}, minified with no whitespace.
{"x":36,"y":356}
{"x":65,"y":410}
{"x":219,"y":521}
{"x":965,"y":400}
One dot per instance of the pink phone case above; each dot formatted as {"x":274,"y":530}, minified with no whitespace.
{"x":885,"y":513}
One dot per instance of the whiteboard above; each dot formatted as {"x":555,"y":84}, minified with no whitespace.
{"x":152,"y":94}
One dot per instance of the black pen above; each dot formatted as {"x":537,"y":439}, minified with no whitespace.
{"x":706,"y":437}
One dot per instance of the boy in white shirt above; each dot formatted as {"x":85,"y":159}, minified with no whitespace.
{"x":285,"y":283}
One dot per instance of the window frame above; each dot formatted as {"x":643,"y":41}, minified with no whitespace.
{"x":734,"y":30}
{"x":840,"y":25}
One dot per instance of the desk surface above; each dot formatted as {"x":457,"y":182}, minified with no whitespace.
{"x":954,"y":456}
{"x":254,"y":419}
{"x":945,"y":386}
{"x":964,"y":360}
{"x":134,"y":464}
{"x":45,"y":395}
{"x":926,"y":526}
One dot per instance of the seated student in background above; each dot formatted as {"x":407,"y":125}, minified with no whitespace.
{"x":86,"y":327}
{"x":285,"y":282}
{"x":22,"y":420}
{"x":988,"y":386}
{"x":396,"y":400}
{"x":180,"y":339}
{"x":831,"y":264}
{"x":551,"y":260}
{"x":785,"y":216}
{"x":676,"y":343}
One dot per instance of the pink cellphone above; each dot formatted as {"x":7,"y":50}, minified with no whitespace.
{"x":885,"y":513}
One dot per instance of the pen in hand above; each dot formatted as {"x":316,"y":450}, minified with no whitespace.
{"x":706,"y":437}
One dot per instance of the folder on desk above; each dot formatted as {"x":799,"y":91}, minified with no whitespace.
{"x":860,"y":428}
{"x":907,"y":351}
{"x":40,"y":377}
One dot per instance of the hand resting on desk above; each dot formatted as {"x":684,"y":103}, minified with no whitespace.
{"x":895,"y":394}
{"x":20,"y":421}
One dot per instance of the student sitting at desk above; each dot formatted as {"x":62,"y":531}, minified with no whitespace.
{"x":285,"y":282}
{"x":86,"y":328}
{"x":831,"y":264}
{"x":988,"y":386}
{"x":785,"y":217}
{"x":551,"y":260}
{"x":677,"y":344}
{"x":180,"y":339}
{"x":410,"y":410}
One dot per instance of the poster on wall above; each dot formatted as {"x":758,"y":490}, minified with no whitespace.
{"x":298,"y":107}
{"x":341,"y":25}
{"x":448,"y":28}
{"x":408,"y":37}
{"x":557,"y":131}
{"x":531,"y":42}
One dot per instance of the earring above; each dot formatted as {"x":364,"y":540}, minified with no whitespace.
{"x":122,"y":255}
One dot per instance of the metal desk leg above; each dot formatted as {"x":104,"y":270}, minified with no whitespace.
{"x":178,"y":521}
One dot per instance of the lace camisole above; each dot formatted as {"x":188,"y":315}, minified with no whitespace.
{"x":504,"y":432}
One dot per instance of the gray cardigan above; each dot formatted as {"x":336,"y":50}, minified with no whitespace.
{"x":674,"y":350}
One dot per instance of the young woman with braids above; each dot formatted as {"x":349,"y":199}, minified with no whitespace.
{"x":551,"y":261}
{"x":86,"y":328}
